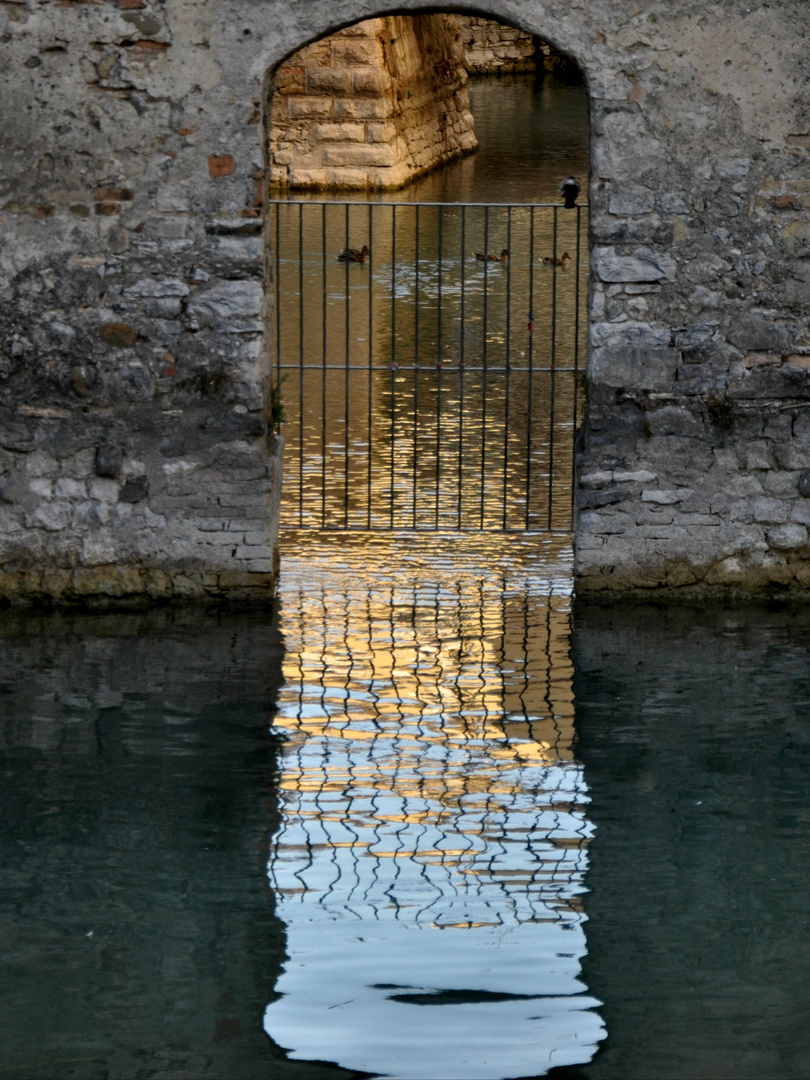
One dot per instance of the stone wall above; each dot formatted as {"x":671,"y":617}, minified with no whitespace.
{"x":492,"y":47}
{"x":371,"y":107}
{"x":133,"y":310}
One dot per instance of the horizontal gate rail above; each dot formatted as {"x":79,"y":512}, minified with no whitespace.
{"x":428,"y":358}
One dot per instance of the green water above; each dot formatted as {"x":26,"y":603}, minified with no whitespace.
{"x":143,"y":792}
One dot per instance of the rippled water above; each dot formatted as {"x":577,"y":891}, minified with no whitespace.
{"x":456,"y":779}
{"x":433,"y":843}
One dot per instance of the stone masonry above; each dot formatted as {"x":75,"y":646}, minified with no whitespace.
{"x":491,"y":47}
{"x":135,"y":454}
{"x":371,"y":107}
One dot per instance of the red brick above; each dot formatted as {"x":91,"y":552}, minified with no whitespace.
{"x":221,"y":165}
{"x":784,"y":202}
{"x":113,"y":194}
{"x":108,"y":209}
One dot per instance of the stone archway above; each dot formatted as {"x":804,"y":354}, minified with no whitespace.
{"x":135,"y":459}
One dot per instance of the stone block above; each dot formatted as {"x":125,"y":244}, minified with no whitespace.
{"x":640,"y":368}
{"x":361,"y":155}
{"x":756,"y":333}
{"x":645,"y":264}
{"x":355,"y":52}
{"x":787,"y":537}
{"x":769,"y":511}
{"x":340,"y":132}
{"x":336,"y":82}
{"x":371,"y":83}
{"x":364,"y":108}
{"x":51,"y":516}
{"x":226,"y":301}
{"x":309,"y":107}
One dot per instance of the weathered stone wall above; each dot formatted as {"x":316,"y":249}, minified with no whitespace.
{"x":373,"y":106}
{"x":131,"y":274}
{"x":491,"y":47}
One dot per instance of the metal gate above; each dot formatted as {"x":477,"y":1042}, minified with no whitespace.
{"x":428,"y":363}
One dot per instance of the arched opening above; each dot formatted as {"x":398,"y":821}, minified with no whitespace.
{"x":428,"y":356}
{"x":430,"y":290}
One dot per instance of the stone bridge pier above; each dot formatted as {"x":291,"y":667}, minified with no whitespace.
{"x":136,"y":450}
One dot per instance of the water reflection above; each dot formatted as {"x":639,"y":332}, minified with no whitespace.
{"x":425,"y":388}
{"x":434,"y":836}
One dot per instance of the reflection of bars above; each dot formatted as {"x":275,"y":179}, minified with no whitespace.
{"x":426,"y":388}
{"x":428,"y":772}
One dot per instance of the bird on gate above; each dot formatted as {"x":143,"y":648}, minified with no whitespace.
{"x":354,"y":254}
{"x":570,"y":189}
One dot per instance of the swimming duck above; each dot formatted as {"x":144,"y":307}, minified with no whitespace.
{"x":483,"y":257}
{"x":354,"y":254}
{"x":563,"y":262}
{"x":570,"y":189}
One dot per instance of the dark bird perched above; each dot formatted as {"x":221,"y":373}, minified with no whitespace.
{"x":353,"y":254}
{"x":482,"y":257}
{"x":563,"y":262}
{"x":570,"y":189}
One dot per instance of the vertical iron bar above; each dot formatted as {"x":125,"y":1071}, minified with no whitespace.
{"x":530,"y":328}
{"x":576,"y":365}
{"x":301,"y":364}
{"x":439,"y":372}
{"x":461,"y":369}
{"x":416,"y":368}
{"x":507,"y":376}
{"x":323,"y":367}
{"x":370,"y":354}
{"x":553,"y":376}
{"x":346,"y":393}
{"x":484,"y":372}
{"x":393,"y":346}
{"x":277,"y":209}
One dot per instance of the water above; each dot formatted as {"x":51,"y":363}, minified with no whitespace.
{"x":657,"y":761}
{"x":421,"y":819}
{"x":433,"y":844}
{"x":424,"y":387}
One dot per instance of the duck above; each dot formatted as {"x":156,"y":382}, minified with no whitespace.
{"x":354,"y":254}
{"x":484,"y":257}
{"x":570,"y":189}
{"x":564,"y":262}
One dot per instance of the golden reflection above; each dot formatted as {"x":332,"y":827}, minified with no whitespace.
{"x":428,"y":722}
{"x":425,"y":389}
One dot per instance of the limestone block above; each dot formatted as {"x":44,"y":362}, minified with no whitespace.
{"x":354,"y":52}
{"x":630,"y":199}
{"x":357,"y":156}
{"x":381,"y":132}
{"x":227,"y":301}
{"x":645,"y":368}
{"x":336,"y":82}
{"x":364,"y":108}
{"x":645,"y":264}
{"x":339,"y":133}
{"x":769,"y":511}
{"x":787,"y":537}
{"x":371,"y":82}
{"x":311,"y":106}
